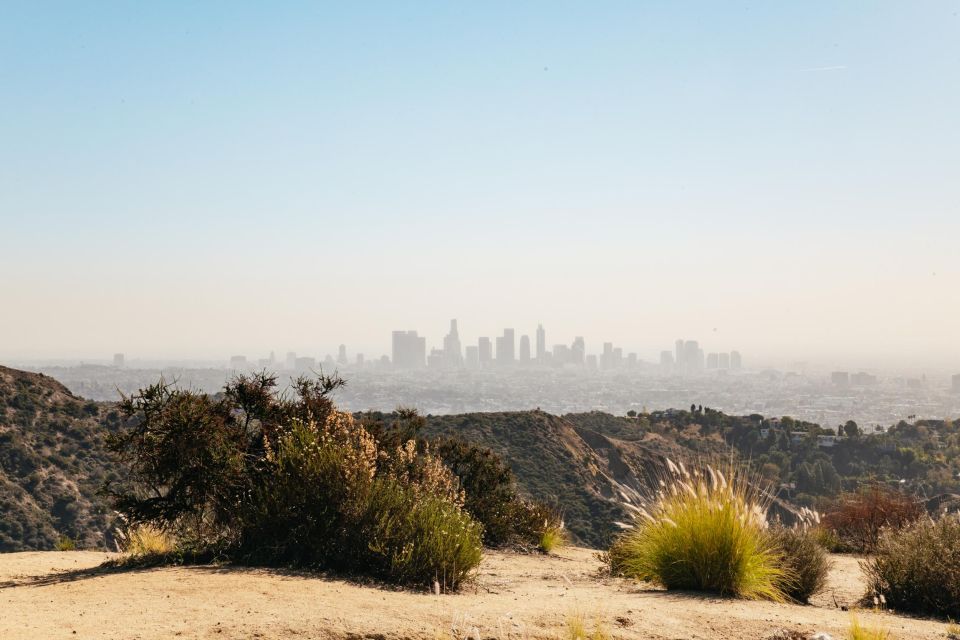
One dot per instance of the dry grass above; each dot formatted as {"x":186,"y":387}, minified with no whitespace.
{"x":552,"y":538}
{"x":857,"y":631}
{"x":576,"y":628}
{"x":145,"y":540}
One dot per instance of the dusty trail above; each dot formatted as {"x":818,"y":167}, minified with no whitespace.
{"x":45,"y":596}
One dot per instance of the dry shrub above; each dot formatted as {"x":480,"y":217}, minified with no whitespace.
{"x":805,"y":560}
{"x":917,"y":568}
{"x":858,"y":518}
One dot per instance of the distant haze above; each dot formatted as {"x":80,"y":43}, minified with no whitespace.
{"x":196,"y":181}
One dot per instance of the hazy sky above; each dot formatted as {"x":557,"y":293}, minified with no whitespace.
{"x":197,"y":179}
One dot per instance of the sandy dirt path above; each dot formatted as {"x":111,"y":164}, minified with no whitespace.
{"x":46,"y":596}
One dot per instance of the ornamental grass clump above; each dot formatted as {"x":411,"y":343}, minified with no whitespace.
{"x":702,"y":530}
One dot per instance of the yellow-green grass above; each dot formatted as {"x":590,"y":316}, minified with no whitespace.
{"x":858,"y":631}
{"x":703,"y":530}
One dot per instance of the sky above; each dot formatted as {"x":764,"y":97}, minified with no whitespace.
{"x":194,"y":180}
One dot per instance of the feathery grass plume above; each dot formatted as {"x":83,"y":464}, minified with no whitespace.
{"x":553,"y":537}
{"x":704,"y":531}
{"x":857,"y":631}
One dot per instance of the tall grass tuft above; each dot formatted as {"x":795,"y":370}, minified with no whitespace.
{"x":576,"y":628}
{"x":144,"y":540}
{"x":857,"y":631}
{"x":703,"y":530}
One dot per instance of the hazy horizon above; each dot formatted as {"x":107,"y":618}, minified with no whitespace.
{"x":204,"y":181}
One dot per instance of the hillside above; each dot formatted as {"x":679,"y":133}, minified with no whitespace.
{"x":52,"y":461}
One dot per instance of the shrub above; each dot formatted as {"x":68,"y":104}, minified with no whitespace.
{"x":705,"y":531}
{"x":256,"y":477}
{"x":332,"y":498}
{"x":489,"y":487}
{"x":552,"y":538}
{"x":65,"y":543}
{"x":858,"y":518}
{"x":917,"y":568}
{"x":804,"y":559}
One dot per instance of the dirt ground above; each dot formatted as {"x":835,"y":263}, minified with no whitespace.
{"x":47,"y":595}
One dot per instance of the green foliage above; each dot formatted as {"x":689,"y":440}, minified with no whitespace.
{"x":65,"y":544}
{"x":703,"y":531}
{"x":804,"y":560}
{"x":266,"y":479}
{"x":51,"y":464}
{"x":489,"y":486}
{"x":917,"y":568}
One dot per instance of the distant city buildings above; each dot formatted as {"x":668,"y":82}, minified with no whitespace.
{"x":342,"y":355}
{"x":840,"y":379}
{"x":506,"y":348}
{"x":524,"y":350}
{"x":238,"y":362}
{"x":955,"y":387}
{"x":118,"y":360}
{"x":541,"y":344}
{"x":409,"y":350}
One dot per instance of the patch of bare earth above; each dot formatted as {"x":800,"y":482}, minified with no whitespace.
{"x":61,"y":595}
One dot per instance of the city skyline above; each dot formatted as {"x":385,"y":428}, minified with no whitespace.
{"x":780,"y":178}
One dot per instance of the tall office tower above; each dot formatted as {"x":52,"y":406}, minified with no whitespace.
{"x":735,"y":361}
{"x":712,"y":361}
{"x":238,"y":362}
{"x":631,"y":360}
{"x":506,"y":348}
{"x":541,"y":344}
{"x":592,"y":362}
{"x":484,"y":352}
{"x":692,"y":356}
{"x":616,"y":358}
{"x":679,"y":354}
{"x":409,"y":350}
{"x":342,"y":355}
{"x":840,"y":378}
{"x":291,"y":361}
{"x":359,"y":360}
{"x":606,"y":358}
{"x":273,"y":358}
{"x":452,"y":353}
{"x":578,"y":351}
{"x":666,"y":360}
{"x":956,"y":383}
{"x":118,"y":360}
{"x":561,"y":355}
{"x":524,"y":350}
{"x":724,"y":362}
{"x":472,"y":359}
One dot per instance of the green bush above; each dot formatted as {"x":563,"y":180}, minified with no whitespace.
{"x":262,"y":479}
{"x":489,"y":487}
{"x":805,"y":560}
{"x":703,"y":531}
{"x":917,"y":568}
